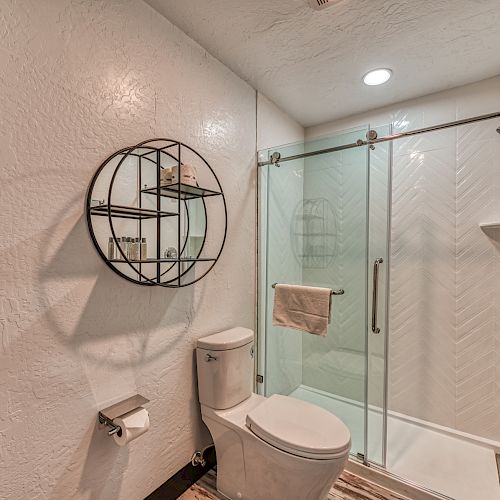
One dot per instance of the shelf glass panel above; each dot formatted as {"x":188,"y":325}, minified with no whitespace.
{"x":187,"y":192}
{"x":126,"y":212}
{"x":153,"y":261}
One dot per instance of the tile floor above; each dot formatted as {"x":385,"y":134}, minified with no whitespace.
{"x":348,"y":487}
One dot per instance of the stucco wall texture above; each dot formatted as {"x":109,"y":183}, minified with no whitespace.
{"x":79,"y":80}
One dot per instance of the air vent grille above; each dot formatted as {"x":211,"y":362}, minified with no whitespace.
{"x":321,"y":4}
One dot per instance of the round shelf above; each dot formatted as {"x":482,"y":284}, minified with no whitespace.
{"x":314,"y":233}
{"x":162,"y":195}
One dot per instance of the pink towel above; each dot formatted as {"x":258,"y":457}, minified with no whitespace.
{"x":305,"y":308}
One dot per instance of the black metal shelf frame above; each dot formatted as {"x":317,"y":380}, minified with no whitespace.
{"x":186,"y":192}
{"x":180,"y":192}
{"x":125,"y":212}
{"x":168,"y":260}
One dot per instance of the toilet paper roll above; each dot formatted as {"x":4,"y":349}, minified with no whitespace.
{"x":133,"y":424}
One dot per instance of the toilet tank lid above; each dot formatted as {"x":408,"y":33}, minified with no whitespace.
{"x":227,"y":339}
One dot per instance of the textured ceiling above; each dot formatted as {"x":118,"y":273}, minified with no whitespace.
{"x":311,"y":63}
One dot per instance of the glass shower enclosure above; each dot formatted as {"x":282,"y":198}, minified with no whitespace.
{"x":324,"y":221}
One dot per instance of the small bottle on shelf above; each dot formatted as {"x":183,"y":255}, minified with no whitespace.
{"x":144,"y":249}
{"x":117,"y":254}
{"x":123,"y":248}
{"x":129,"y":247}
{"x":134,"y":249}
{"x":111,"y":248}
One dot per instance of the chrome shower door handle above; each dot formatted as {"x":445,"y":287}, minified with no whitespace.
{"x":376,"y":265}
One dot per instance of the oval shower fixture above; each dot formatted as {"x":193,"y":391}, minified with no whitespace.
{"x":377,"y":76}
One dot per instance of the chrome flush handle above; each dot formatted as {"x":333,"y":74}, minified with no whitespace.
{"x":376,"y":265}
{"x":209,"y":357}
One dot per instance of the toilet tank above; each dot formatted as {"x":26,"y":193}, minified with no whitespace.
{"x":225,"y":363}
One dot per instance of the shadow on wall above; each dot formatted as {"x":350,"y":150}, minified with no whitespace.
{"x":106,"y":319}
{"x":106,"y":324}
{"x":101,"y":455}
{"x":202,"y":433}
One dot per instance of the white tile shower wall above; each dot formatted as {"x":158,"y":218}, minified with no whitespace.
{"x":445,"y":287}
{"x":336,"y":363}
{"x":423,"y":283}
{"x":80,"y":80}
{"x":477,"y":280}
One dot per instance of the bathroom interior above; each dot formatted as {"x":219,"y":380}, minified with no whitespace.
{"x":173,"y":172}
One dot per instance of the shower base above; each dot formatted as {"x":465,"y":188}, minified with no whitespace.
{"x":440,"y":459}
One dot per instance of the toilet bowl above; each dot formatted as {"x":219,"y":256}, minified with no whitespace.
{"x":267,"y":448}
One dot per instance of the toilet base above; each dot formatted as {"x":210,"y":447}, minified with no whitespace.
{"x":248,"y":468}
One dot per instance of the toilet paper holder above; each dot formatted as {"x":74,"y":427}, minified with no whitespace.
{"x":107,"y":415}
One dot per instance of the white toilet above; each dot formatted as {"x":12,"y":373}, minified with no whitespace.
{"x":267,"y":448}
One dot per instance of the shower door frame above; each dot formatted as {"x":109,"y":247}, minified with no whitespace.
{"x":378,"y":468}
{"x":373,"y":263}
{"x":370,"y":141}
{"x":262,"y":282}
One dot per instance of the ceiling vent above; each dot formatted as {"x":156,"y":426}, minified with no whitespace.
{"x":321,"y":4}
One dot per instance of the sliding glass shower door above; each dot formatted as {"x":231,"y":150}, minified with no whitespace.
{"x":323,"y":222}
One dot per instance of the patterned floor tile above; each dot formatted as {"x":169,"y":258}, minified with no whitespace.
{"x":348,"y":487}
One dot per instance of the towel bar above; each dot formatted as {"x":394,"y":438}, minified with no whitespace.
{"x":333,"y":292}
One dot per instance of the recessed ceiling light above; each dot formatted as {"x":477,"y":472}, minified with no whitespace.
{"x":377,"y":76}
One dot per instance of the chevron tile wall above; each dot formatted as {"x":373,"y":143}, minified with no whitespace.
{"x":336,"y":364}
{"x":477,"y":282}
{"x":445,"y":280}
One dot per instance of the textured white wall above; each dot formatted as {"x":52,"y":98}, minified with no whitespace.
{"x":274,"y":126}
{"x":79,"y":80}
{"x":445,"y":272}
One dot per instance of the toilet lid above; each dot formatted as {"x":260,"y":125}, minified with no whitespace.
{"x":299,"y":428}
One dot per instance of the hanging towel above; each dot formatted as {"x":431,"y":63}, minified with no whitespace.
{"x":305,"y":308}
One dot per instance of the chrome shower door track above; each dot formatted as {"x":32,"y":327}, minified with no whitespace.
{"x":386,"y":138}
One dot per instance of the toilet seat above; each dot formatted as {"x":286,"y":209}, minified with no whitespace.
{"x":299,"y":428}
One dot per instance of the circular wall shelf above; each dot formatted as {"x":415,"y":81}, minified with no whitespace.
{"x":148,"y":210}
